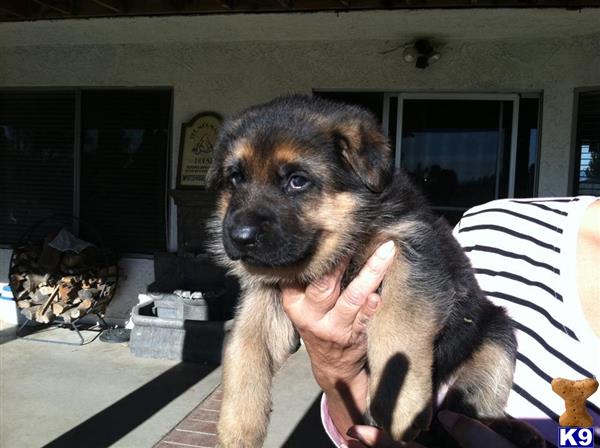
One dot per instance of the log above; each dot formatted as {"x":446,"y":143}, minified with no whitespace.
{"x":33,"y":281}
{"x":38,"y":298}
{"x":23,"y":304}
{"x":69,"y":280}
{"x":81,"y":309}
{"x":29,"y":313}
{"x":85,"y":304}
{"x":58,"y":308}
{"x":84,"y":294}
{"x":46,"y":290}
{"x":66,"y":292}
{"x":42,"y":311}
{"x":46,"y":317}
{"x":23,"y":295}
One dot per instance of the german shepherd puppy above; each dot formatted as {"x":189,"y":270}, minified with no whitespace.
{"x":303,"y":184}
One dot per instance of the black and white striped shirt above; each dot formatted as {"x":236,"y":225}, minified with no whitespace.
{"x":523,"y":253}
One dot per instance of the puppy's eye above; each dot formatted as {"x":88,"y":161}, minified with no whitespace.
{"x":236,"y":178}
{"x":298,"y":182}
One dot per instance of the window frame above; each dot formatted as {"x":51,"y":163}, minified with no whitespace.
{"x":77,"y":148}
{"x":575,"y":153}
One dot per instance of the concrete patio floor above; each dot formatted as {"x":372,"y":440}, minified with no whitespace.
{"x":99,"y":395}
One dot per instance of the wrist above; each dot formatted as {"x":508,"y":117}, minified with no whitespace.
{"x":349,"y":391}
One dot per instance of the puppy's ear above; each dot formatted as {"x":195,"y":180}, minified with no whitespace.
{"x":214,"y":176}
{"x":367,"y":152}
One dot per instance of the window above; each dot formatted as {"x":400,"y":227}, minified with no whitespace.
{"x":36,"y":159}
{"x":461,"y":149}
{"x":587,"y":144}
{"x":99,"y":155}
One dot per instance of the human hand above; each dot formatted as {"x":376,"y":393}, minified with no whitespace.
{"x":469,"y":433}
{"x":333,"y":326}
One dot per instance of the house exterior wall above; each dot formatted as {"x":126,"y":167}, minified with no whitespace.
{"x":219,"y":72}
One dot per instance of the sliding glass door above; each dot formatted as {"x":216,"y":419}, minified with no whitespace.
{"x":462,"y":149}
{"x":459,"y":148}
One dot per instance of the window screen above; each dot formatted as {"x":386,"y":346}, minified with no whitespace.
{"x":587,"y":150}
{"x":36,"y":160}
{"x":123,"y":167}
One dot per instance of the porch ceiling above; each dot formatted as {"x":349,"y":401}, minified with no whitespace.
{"x":68,"y":9}
{"x":398,"y":26}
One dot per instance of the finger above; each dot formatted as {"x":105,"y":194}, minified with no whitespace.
{"x":470,"y":433}
{"x":320,"y":295}
{"x":367,"y":311}
{"x":351,"y":300}
{"x":291,"y":297}
{"x":372,"y":437}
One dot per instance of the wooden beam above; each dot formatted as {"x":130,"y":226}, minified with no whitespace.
{"x":11,"y":13}
{"x":108,"y":5}
{"x":229,"y":4}
{"x":17,"y":9}
{"x":53,"y":7}
{"x":287,"y":4}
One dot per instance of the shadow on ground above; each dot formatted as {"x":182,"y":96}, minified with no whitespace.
{"x":114,"y":422}
{"x":309,"y":431}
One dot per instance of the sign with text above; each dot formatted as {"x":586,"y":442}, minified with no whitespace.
{"x":198,"y":137}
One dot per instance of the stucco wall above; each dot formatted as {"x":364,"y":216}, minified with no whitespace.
{"x":226,"y":74}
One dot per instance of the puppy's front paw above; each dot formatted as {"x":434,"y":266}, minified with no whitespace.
{"x":402,"y":425}
{"x":418,"y":423}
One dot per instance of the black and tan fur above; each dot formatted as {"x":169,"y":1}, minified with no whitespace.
{"x":434,"y":324}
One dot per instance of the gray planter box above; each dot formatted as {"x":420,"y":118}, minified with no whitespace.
{"x":175,"y":338}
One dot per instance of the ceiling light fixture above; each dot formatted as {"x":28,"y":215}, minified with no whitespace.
{"x":426,"y":54}
{"x":420,"y":52}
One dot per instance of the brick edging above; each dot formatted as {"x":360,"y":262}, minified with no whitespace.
{"x":199,"y":428}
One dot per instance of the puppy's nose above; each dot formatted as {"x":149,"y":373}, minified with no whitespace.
{"x":244,"y":235}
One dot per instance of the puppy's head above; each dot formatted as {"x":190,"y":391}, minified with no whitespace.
{"x":293,"y":177}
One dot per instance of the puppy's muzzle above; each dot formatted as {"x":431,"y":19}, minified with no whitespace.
{"x":245,"y":229}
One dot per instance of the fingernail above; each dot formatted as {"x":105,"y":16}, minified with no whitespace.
{"x":373,"y":301}
{"x":385,"y":250}
{"x":447,"y":419}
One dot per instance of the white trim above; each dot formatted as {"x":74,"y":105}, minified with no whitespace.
{"x":512,"y":175}
{"x":455,"y":96}
{"x":399,"y":121}
{"x":385,"y":117}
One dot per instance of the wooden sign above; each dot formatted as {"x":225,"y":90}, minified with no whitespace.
{"x":198,"y":137}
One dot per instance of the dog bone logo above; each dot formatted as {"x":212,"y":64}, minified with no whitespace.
{"x":575,"y":393}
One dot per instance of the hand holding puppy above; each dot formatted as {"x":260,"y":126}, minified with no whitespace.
{"x":333,"y":327}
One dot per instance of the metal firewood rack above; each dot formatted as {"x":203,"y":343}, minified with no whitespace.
{"x":31,"y":326}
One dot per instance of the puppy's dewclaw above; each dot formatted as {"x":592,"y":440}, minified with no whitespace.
{"x":304,"y":184}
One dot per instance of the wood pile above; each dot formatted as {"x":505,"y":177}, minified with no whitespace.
{"x":49,"y":284}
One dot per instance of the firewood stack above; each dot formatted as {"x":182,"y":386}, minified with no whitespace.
{"x":49,"y":284}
